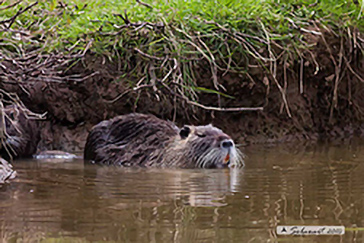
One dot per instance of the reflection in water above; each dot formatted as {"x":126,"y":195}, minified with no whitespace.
{"x":281,"y":185}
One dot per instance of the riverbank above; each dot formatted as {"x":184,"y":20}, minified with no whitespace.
{"x":262,"y":71}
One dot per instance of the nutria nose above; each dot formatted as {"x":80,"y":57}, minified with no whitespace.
{"x":227,"y":143}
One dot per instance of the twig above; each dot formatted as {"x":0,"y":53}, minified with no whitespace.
{"x":337,"y":74}
{"x":170,"y":71}
{"x":301,"y":75}
{"x":20,"y":11}
{"x":213,"y":64}
{"x":229,"y":61}
{"x":15,"y":31}
{"x":212,"y":108}
{"x":353,"y":72}
{"x":273,"y":71}
{"x":83,"y":78}
{"x":11,"y":5}
{"x":147,"y":55}
{"x":303,"y":29}
{"x":87,"y":48}
{"x":240,"y":34}
{"x":128,"y":91}
{"x":208,"y":59}
{"x":144,"y":4}
{"x":125,"y":19}
{"x":3,"y":134}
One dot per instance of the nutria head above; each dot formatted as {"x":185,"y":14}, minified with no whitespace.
{"x":204,"y":147}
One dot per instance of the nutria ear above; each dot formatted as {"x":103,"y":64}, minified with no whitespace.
{"x":184,"y":132}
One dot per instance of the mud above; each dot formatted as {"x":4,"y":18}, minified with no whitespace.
{"x":323,"y":90}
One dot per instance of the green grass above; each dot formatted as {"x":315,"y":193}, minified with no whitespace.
{"x":226,"y":34}
{"x":81,"y":20}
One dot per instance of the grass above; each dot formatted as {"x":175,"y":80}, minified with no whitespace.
{"x":173,"y":36}
{"x":78,"y":20}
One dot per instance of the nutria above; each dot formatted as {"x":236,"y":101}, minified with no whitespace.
{"x":145,"y":140}
{"x":21,"y":134}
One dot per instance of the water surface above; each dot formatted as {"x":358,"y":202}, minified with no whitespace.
{"x":52,"y":201}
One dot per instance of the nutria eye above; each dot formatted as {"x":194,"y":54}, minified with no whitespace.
{"x":185,"y":131}
{"x":201,"y":135}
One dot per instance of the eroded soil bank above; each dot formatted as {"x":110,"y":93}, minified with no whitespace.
{"x":318,"y":96}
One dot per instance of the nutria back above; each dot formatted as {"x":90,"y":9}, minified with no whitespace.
{"x":145,"y":140}
{"x":129,"y":140}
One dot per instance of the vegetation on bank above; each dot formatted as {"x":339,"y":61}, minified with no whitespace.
{"x":71,"y":23}
{"x":164,"y":44}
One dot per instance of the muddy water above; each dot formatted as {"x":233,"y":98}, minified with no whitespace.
{"x":280,"y":185}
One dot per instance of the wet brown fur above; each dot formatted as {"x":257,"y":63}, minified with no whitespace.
{"x":145,"y":140}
